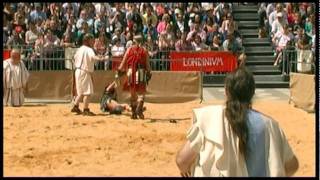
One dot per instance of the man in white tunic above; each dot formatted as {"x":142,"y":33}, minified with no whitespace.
{"x":15,"y":77}
{"x":84,"y":63}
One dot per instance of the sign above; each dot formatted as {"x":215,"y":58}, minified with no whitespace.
{"x":116,"y":62}
{"x":207,"y":61}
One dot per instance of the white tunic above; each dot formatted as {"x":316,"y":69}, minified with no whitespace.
{"x":15,"y":78}
{"x":217,"y":146}
{"x":84,"y":64}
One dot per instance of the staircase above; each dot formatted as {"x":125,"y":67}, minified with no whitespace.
{"x":260,"y":57}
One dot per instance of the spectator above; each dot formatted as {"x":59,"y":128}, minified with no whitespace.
{"x":277,"y":25}
{"x":82,"y":31}
{"x":6,"y":30}
{"x":150,"y":17}
{"x":20,"y":28}
{"x":20,"y":20}
{"x":119,"y":35}
{"x":84,"y":18}
{"x":281,"y":40}
{"x":133,"y":16}
{"x":275,"y":15}
{"x":163,"y":24}
{"x":37,"y":13}
{"x":301,"y":37}
{"x":263,"y":18}
{"x":228,"y":26}
{"x":55,"y":28}
{"x":150,"y":30}
{"x":309,"y":24}
{"x":180,"y":21}
{"x":197,"y":31}
{"x":100,"y":22}
{"x":298,"y":23}
{"x":100,"y":45}
{"x":118,"y":18}
{"x":8,"y":12}
{"x":31,"y":37}
{"x":270,"y":8}
{"x":222,"y":10}
{"x":214,"y":32}
{"x":198,"y":45}
{"x":152,"y":48}
{"x":290,"y":12}
{"x":216,"y":43}
{"x":117,"y":49}
{"x":67,"y":41}
{"x":15,"y":41}
{"x":209,"y":13}
{"x":231,"y":44}
{"x":182,"y":44}
{"x":51,"y":45}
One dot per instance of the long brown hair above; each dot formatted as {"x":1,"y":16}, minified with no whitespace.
{"x":240,"y":88}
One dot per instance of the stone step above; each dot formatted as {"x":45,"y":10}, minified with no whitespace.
{"x":251,"y":35}
{"x":247,"y":26}
{"x":262,"y":67}
{"x":249,"y":16}
{"x":260,"y":58}
{"x":245,"y":16}
{"x":268,"y":78}
{"x":245,"y":10}
{"x":261,"y":81}
{"x":258,"y":48}
{"x":249,"y":31}
{"x":256,"y":43}
{"x":261,"y":62}
{"x":248,"y":23}
{"x":247,"y":40}
{"x":259,"y":53}
{"x":267,"y":72}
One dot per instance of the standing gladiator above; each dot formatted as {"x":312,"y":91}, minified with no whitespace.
{"x":135,"y":64}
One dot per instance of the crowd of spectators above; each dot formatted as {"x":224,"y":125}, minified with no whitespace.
{"x":45,"y":28}
{"x":289,"y":25}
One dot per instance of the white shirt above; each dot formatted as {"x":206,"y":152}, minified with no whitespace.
{"x":84,"y":58}
{"x":117,"y":51}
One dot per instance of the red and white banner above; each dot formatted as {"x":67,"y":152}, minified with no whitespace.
{"x":207,"y":61}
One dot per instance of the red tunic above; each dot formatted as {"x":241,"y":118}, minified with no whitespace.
{"x":136,"y":55}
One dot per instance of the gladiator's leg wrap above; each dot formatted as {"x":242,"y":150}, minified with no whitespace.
{"x":133,"y":108}
{"x":139,"y":110}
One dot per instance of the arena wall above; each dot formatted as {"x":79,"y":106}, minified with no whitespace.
{"x":302,"y":91}
{"x":164,"y":87}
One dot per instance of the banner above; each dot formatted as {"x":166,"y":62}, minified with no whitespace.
{"x":207,"y":61}
{"x":116,"y":62}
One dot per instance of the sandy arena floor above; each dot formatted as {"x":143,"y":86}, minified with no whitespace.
{"x":48,"y":140}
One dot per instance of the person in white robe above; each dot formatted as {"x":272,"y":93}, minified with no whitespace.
{"x":84,"y":60}
{"x":235,"y":140}
{"x":15,"y":78}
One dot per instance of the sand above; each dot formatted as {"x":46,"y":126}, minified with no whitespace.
{"x":48,"y":140}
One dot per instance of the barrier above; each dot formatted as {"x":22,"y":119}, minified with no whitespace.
{"x":164,"y":87}
{"x":296,"y":60}
{"x":54,"y":85}
{"x":302,"y":91}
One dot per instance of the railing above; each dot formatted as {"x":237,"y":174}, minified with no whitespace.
{"x":296,"y":60}
{"x":62,"y":59}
